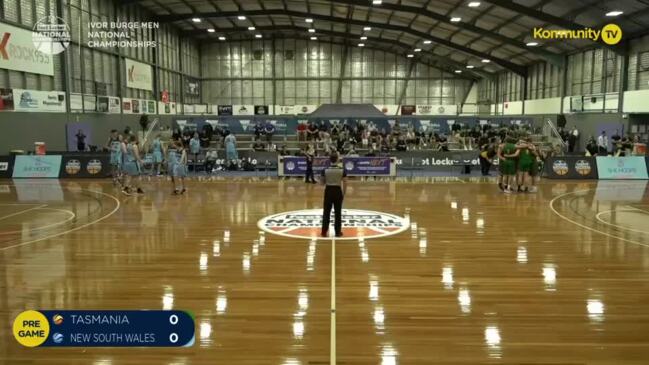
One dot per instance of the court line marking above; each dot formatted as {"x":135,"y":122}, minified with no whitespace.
{"x":71,"y":217}
{"x":630,"y":209}
{"x":117,"y":206}
{"x":583,"y":226}
{"x":332,"y":327}
{"x":23,"y":211}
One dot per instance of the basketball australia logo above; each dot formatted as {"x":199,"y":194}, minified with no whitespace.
{"x":51,"y":35}
{"x":356,"y":224}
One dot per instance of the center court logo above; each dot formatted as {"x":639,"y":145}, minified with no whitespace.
{"x":610,"y":34}
{"x":306,"y":224}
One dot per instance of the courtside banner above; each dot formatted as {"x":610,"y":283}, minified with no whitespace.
{"x":571,"y":167}
{"x":85,"y":165}
{"x":6,"y":166}
{"x":296,"y":165}
{"x":354,"y":166}
{"x":36,"y":166}
{"x":368,"y":166}
{"x":622,"y":168}
{"x":17,"y":52}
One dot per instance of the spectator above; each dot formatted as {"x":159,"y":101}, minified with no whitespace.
{"x":301,"y":131}
{"x":258,"y":145}
{"x":81,"y":141}
{"x":259,"y":129}
{"x":602,"y":144}
{"x":205,"y":139}
{"x":231,"y":154}
{"x":312,"y":132}
{"x":401,"y":144}
{"x":269,"y":131}
{"x":591,"y":147}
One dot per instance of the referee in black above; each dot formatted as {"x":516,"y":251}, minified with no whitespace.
{"x":334,"y":179}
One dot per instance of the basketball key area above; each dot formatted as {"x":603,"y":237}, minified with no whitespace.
{"x":459,"y":274}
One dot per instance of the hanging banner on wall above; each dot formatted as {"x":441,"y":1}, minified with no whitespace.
{"x":188,"y":109}
{"x":138,"y":75}
{"x":261,"y":110}
{"x":89,"y":103}
{"x":6,"y":99}
{"x":244,"y":109}
{"x":285,"y":110}
{"x":107,"y":104}
{"x":408,"y":109}
{"x":76,"y":103}
{"x":305,"y":109}
{"x":200,"y":108}
{"x":39,"y":101}
{"x":388,"y":109}
{"x":224,"y":109}
{"x":18,"y":52}
{"x":192,"y":87}
{"x":169,"y":108}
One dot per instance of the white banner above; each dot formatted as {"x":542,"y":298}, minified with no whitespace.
{"x":284,"y":109}
{"x":166,"y":108}
{"x":138,"y":75}
{"x":76,"y":103}
{"x":39,"y":101}
{"x":436,"y":109}
{"x":388,"y":109}
{"x":89,"y":103}
{"x":188,"y":108}
{"x":243,"y":109}
{"x":200,"y":108}
{"x":17,"y":52}
{"x":114,"y":106}
{"x":305,"y":109}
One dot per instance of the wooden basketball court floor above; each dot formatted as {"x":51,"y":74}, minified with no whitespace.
{"x":557,"y":277}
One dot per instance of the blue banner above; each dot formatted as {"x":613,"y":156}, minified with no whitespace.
{"x":367,"y":166}
{"x":354,"y":166}
{"x":133,"y":328}
{"x":632,"y":167}
{"x":36,"y":166}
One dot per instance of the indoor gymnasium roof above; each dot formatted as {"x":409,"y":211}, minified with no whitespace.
{"x":448,"y":33}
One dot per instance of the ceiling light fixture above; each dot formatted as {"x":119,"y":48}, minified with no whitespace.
{"x":314,"y":38}
{"x":410,"y":55}
{"x":377,"y":2}
{"x":486,"y":61}
{"x":428,"y":42}
{"x":474,"y":4}
{"x":470,"y":66}
{"x":367,"y":29}
{"x":363,"y":38}
{"x":532,"y":44}
{"x":211,"y":30}
{"x":308,"y":20}
{"x":241,"y":17}
{"x":257,"y":35}
{"x":614,"y":13}
{"x":361,"y":44}
{"x":251,"y":28}
{"x":311,"y":30}
{"x":221,"y":38}
{"x":458,"y":71}
{"x":417,"y":49}
{"x":196,"y":20}
{"x":456,"y":19}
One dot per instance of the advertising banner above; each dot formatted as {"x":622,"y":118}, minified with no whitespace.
{"x":354,"y":166}
{"x":37,"y":166}
{"x":6,"y":166}
{"x":76,"y":103}
{"x":166,"y":108}
{"x":224,"y":110}
{"x":285,"y":109}
{"x":6,"y":99}
{"x":19,"y":53}
{"x":261,"y":110}
{"x":39,"y":101}
{"x":85,"y":165}
{"x":244,"y":109}
{"x":622,"y":168}
{"x":571,"y":167}
{"x":305,"y":109}
{"x":138,"y":75}
{"x":408,"y":109}
{"x":192,"y":87}
{"x":89,"y":103}
{"x":108,"y":104}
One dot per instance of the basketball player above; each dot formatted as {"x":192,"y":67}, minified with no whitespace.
{"x":334,"y":179}
{"x":158,"y":155}
{"x":132,"y":163}
{"x":525,"y":164}
{"x":178,"y":168}
{"x":114,"y":145}
{"x":507,"y":164}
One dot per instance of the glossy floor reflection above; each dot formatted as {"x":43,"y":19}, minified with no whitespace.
{"x":558,"y":277}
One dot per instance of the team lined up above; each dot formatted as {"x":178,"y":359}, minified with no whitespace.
{"x":127,"y":162}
